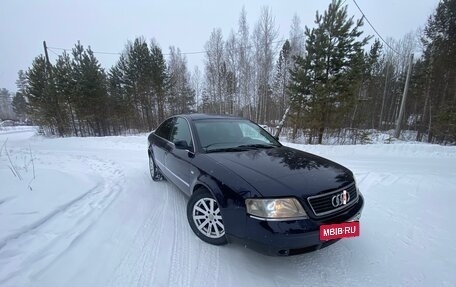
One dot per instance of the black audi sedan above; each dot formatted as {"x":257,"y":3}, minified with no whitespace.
{"x":244,"y":186}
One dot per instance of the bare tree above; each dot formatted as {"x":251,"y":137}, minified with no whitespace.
{"x":232,"y":95}
{"x":297,"y":37}
{"x":196,"y":82}
{"x":213,"y":71}
{"x":181,"y":96}
{"x":6,"y":110}
{"x":244,"y":54}
{"x":264,"y":37}
{"x":397,"y":58}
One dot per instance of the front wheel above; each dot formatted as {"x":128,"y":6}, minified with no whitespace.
{"x":205,"y":219}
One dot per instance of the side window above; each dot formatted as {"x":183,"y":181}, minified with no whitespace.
{"x":181,"y":132}
{"x":164,"y":130}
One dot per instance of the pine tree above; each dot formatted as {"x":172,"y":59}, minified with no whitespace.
{"x":65,"y":87}
{"x":440,"y":56}
{"x":123,"y":107}
{"x":372,"y":99}
{"x":332,"y":67}
{"x":19,"y":103}
{"x":20,"y":106}
{"x":281,"y":81}
{"x":300,"y":94}
{"x":43,"y":103}
{"x":90,"y":91}
{"x":159,"y":80}
{"x":134,"y":71}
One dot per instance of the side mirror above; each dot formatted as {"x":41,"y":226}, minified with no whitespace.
{"x":181,"y":145}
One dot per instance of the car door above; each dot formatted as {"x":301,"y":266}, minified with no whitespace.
{"x":179,"y":160}
{"x":162,"y":144}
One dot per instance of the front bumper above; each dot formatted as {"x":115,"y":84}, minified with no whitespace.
{"x":282,"y":238}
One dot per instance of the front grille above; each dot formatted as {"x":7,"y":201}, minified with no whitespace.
{"x":322,"y":204}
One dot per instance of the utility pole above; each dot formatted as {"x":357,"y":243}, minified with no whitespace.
{"x":51,"y":80}
{"x":397,"y":131}
{"x":48,"y":64}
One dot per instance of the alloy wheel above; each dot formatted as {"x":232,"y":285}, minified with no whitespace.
{"x":208,"y":219}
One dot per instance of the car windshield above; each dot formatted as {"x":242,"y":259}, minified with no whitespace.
{"x":232,"y":135}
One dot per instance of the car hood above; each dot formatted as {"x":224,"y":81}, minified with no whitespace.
{"x":284,"y":171}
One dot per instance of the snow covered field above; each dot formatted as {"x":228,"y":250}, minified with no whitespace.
{"x":84,"y":212}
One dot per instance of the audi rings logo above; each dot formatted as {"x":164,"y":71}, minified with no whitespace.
{"x":340,"y":199}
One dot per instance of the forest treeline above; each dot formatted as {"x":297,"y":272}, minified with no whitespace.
{"x":327,"y":78}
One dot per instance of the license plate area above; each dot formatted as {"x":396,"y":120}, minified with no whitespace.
{"x":340,"y":230}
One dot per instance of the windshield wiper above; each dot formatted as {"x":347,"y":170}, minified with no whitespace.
{"x":258,"y":146}
{"x":239,"y":148}
{"x":208,"y":149}
{"x":227,"y":149}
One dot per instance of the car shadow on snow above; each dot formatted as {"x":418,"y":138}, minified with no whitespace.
{"x":292,"y":270}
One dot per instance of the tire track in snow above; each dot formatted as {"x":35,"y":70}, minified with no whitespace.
{"x":30,"y":228}
{"x":180,"y":269}
{"x":2,"y":201}
{"x":137,"y":267}
{"x":208,"y":265}
{"x":152,"y":246}
{"x":151,"y":278}
{"x":43,"y":242}
{"x":192,"y":260}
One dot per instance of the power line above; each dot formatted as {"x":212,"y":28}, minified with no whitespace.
{"x":107,"y":53}
{"x":53,"y":52}
{"x":114,"y":53}
{"x":375,"y":30}
{"x":182,"y":53}
{"x":95,"y":52}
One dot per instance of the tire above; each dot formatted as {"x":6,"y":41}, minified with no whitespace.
{"x":205,"y":219}
{"x":154,"y":169}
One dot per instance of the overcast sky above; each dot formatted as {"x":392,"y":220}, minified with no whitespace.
{"x":107,"y":25}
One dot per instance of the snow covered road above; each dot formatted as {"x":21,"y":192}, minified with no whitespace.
{"x":91,"y":216}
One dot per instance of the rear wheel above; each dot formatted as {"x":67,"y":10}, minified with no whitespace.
{"x":154,"y":170}
{"x":205,"y":218}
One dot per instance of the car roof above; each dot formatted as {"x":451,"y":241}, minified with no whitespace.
{"x":195,"y":117}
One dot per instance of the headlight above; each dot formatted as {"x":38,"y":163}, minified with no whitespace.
{"x":278,"y":208}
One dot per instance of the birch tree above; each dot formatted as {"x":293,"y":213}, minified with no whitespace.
{"x":181,"y":97}
{"x":264,"y":36}
{"x":296,"y":38}
{"x":244,"y":65}
{"x":213,"y":71}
